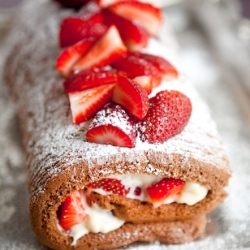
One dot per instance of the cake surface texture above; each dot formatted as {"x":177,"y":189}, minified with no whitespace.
{"x":59,"y":159}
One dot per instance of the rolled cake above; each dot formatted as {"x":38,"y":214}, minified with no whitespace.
{"x":62,"y":164}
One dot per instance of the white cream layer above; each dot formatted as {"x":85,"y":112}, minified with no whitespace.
{"x":98,"y":221}
{"x":190,"y":195}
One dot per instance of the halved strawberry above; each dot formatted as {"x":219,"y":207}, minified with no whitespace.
{"x":147,"y":15}
{"x":71,"y":55}
{"x":131,"y":96}
{"x":145,"y":82}
{"x":133,"y":34}
{"x":136,"y":66}
{"x":158,"y":192}
{"x":90,"y":78}
{"x":167,"y":70}
{"x":105,"y":51}
{"x":109,"y":185}
{"x":71,"y":212}
{"x":167,"y":116}
{"x":74,"y":29}
{"x":85,"y":104}
{"x":112,"y":125}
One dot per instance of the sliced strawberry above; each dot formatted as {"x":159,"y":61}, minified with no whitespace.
{"x":132,"y":33}
{"x":75,"y":4}
{"x":145,"y":82}
{"x":71,"y":55}
{"x":74,"y":29}
{"x":85,"y":104}
{"x":136,"y":66}
{"x":90,"y":78}
{"x":131,"y":96}
{"x":107,"y":50}
{"x":109,"y":185}
{"x":167,"y":116}
{"x":146,"y":14}
{"x":112,"y":125}
{"x":167,"y":70}
{"x":71,"y":212}
{"x":163,"y":189}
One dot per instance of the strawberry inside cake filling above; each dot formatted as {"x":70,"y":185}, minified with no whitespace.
{"x":79,"y":215}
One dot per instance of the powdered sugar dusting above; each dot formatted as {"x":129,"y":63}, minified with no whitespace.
{"x":54,"y":137}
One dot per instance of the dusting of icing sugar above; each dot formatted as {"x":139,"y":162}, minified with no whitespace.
{"x":46,"y":115}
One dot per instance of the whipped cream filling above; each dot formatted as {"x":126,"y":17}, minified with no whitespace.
{"x":98,"y":221}
{"x":190,"y":195}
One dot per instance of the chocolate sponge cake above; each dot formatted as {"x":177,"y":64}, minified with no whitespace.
{"x":112,"y":191}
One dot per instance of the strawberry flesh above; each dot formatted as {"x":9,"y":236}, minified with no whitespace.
{"x":147,"y":15}
{"x":145,"y":82}
{"x":107,"y":50}
{"x":71,"y":212}
{"x":131,"y":96}
{"x":133,"y":34}
{"x":166,"y":69}
{"x":90,"y":78}
{"x":160,"y":191}
{"x":71,"y":55}
{"x":112,"y":125}
{"x":105,"y":3}
{"x":167,"y":116}
{"x":136,"y":66}
{"x":74,"y":29}
{"x":91,"y":12}
{"x":85,"y":104}
{"x":109,"y":185}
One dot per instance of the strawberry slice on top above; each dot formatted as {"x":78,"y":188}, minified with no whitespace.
{"x":132,"y":33}
{"x":167,"y":70}
{"x":71,"y":212}
{"x":145,"y":82}
{"x":112,"y":125}
{"x":71,"y":55}
{"x":147,"y":15}
{"x":167,"y":116}
{"x":85,"y":104}
{"x":110,"y":185}
{"x":74,"y":29}
{"x":160,"y":191}
{"x":136,"y":66}
{"x":104,"y":52}
{"x":90,"y":78}
{"x":131,"y":96}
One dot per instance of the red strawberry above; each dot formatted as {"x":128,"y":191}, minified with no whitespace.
{"x":74,"y":29}
{"x":136,"y":66}
{"x":107,"y":50}
{"x":71,"y":55}
{"x":112,"y":125}
{"x":90,"y":78}
{"x":167,"y":70}
{"x":167,"y":116}
{"x":145,"y":82}
{"x":109,"y":185}
{"x":133,"y":34}
{"x":85,"y":104}
{"x":131,"y":96}
{"x":146,"y":14}
{"x":76,"y":4}
{"x":163,"y":189}
{"x":71,"y":212}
